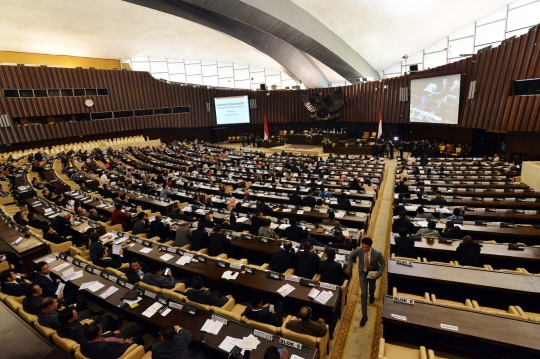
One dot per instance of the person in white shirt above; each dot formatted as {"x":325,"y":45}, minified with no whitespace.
{"x":104,"y":178}
{"x":368,"y":186}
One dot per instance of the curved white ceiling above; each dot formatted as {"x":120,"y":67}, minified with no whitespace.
{"x":115,"y":29}
{"x":382,"y":31}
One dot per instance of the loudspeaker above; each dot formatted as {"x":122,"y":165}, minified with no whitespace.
{"x":413,"y":68}
{"x":262,"y":86}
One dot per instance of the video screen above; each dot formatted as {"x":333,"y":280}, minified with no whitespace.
{"x":232,"y":109}
{"x":435,"y":100}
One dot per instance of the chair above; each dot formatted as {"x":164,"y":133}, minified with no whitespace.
{"x":415,"y":297}
{"x":406,"y":258}
{"x":373,"y":135}
{"x":439,"y":263}
{"x":45,"y":331}
{"x":262,"y":326}
{"x":442,"y":148}
{"x":133,"y":352}
{"x":181,"y":298}
{"x":14,"y":303}
{"x":149,"y":287}
{"x":62,"y":247}
{"x":390,"y":351}
{"x":205,"y":307}
{"x":74,"y":251}
{"x":449,"y":303}
{"x":230,"y":310}
{"x":29,"y":318}
{"x":511,"y":312}
{"x":457,"y":153}
{"x":116,"y":272}
{"x":528,"y":315}
{"x":116,"y":227}
{"x":67,"y":345}
{"x":320,"y":343}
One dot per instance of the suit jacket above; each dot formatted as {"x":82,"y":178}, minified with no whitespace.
{"x":163,"y":281}
{"x":402,"y":223}
{"x":402,"y":189}
{"x":237,"y":227}
{"x":344,"y":204}
{"x":139,"y":227}
{"x":256,"y":223}
{"x":133,"y":277}
{"x":73,"y":331}
{"x":282,"y":260}
{"x":438,"y":201}
{"x":97,"y":217}
{"x":49,"y":319}
{"x":36,"y":223}
{"x":294,"y":233}
{"x":93,"y":248}
{"x":218,"y":243}
{"x":15,"y":289}
{"x":32,"y":306}
{"x":180,"y":216}
{"x":263,"y":316}
{"x":296,"y":200}
{"x":310,"y":327}
{"x":61,"y":225}
{"x":199,"y":240}
{"x":204,"y":296}
{"x":119,"y":217}
{"x":112,"y":263}
{"x":183,"y":236}
{"x":354,"y":185}
{"x":376,"y":261}
{"x":469,"y":254}
{"x":48,"y":286}
{"x":264,"y":208}
{"x":405,"y":247}
{"x":420,"y":201}
{"x":159,"y":229}
{"x":331,"y":272}
{"x":454,"y":232}
{"x":55,"y":238}
{"x":309,"y":201}
{"x":103,"y":350}
{"x":306,"y":264}
{"x":176,"y":348}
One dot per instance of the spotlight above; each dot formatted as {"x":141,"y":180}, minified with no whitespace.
{"x":268,"y":94}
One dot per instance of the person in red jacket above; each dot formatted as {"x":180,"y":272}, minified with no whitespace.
{"x":119,"y":217}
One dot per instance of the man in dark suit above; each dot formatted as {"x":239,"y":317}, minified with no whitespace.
{"x":264,"y":313}
{"x":156,"y":277}
{"x":469,"y":252}
{"x":257,"y":222}
{"x":402,"y":222}
{"x":331,"y":271}
{"x":94,"y":216}
{"x":306,"y":262}
{"x":343,"y":202}
{"x":404,"y":244}
{"x":420,"y":199}
{"x":371,"y":265}
{"x":141,"y":226}
{"x":11,"y":285}
{"x":202,"y":295}
{"x":32,"y":300}
{"x":283,"y":258}
{"x":438,"y":198}
{"x":401,"y":187}
{"x":295,"y":198}
{"x":61,"y":224}
{"x":293,"y":232}
{"x":44,"y":280}
{"x":232,"y":224}
{"x":71,"y":328}
{"x":174,"y":344}
{"x":158,"y":229}
{"x":199,"y":238}
{"x":103,"y":260}
{"x":263,"y":207}
{"x":355,"y":184}
{"x":136,"y":271}
{"x":50,"y":235}
{"x":106,"y":192}
{"x":304,"y":324}
{"x":112,"y":347}
{"x":451,"y":231}
{"x":34,"y":222}
{"x":309,"y":200}
{"x":218,"y":243}
{"x":177,"y":213}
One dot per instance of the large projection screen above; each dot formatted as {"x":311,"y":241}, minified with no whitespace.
{"x":232,"y":109}
{"x":435,"y":100}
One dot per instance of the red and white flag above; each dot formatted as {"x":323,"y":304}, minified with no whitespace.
{"x":379,"y":132}
{"x":266,"y":132}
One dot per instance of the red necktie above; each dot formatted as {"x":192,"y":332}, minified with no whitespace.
{"x":366,"y":262}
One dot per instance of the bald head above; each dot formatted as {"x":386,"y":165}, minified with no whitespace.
{"x":305,"y":313}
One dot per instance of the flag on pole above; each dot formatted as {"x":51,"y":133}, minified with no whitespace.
{"x":379,"y":132}
{"x":266,"y":132}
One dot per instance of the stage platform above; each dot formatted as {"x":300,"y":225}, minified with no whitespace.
{"x":301,"y":149}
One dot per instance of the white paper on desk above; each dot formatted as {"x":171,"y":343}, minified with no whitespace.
{"x":324,"y":296}
{"x":166,"y":257}
{"x":242,"y":219}
{"x":95,"y":286}
{"x":211,"y":326}
{"x":60,"y":267}
{"x":285,"y":290}
{"x":229,"y":343}
{"x":60,"y":289}
{"x":146,"y":250}
{"x":17,"y":241}
{"x":340,"y":258}
{"x":284,"y":226}
{"x":300,"y":211}
{"x":68,"y":272}
{"x":108,"y":292}
{"x":229,"y":275}
{"x":151,"y":310}
{"x":250,"y":342}
{"x":50,"y":260}
{"x":286,"y":210}
{"x":165,"y":312}
{"x":73,"y":276}
{"x":183,"y":260}
{"x":116,"y":248}
{"x":86,"y":285}
{"x":130,"y":302}
{"x":313,"y":293}
{"x":339,"y":214}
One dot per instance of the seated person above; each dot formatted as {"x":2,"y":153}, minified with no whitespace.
{"x":283,"y":258}
{"x":456,"y":215}
{"x":202,"y":295}
{"x":71,"y":328}
{"x":199,"y":238}
{"x":157,"y":279}
{"x":232,"y":225}
{"x":404,"y":245}
{"x":119,"y":217}
{"x":306,"y":262}
{"x":218,"y":243}
{"x":267,"y":314}
{"x":438,"y":198}
{"x":94,"y":216}
{"x":11,"y":285}
{"x":320,"y":204}
{"x":257,"y":222}
{"x":96,"y":346}
{"x":94,"y":245}
{"x":304,"y":324}
{"x":451,"y":231}
{"x":49,"y":310}
{"x":309,"y":200}
{"x":174,"y":344}
{"x":177,"y":213}
{"x":142,"y":224}
{"x":159,"y":229}
{"x":32,"y":300}
{"x":266,"y":231}
{"x":331,"y":220}
{"x":343,"y":203}
{"x":209,"y":221}
{"x":183,"y":235}
{"x":420,"y":199}
{"x":430,"y":231}
{"x":469,"y":252}
{"x":272,"y":352}
{"x":102,"y":259}
{"x":34,"y":222}
{"x":62,"y":224}
{"x":340,"y":242}
{"x":331,"y":271}
{"x":368,"y":186}
{"x":402,"y":222}
{"x":50,"y":235}
{"x":401,"y":188}
{"x":421,"y":213}
{"x":136,"y":271}
{"x":20,"y":218}
{"x":293,"y":232}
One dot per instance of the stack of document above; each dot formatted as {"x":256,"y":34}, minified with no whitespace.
{"x":324,"y":296}
{"x":229,"y":275}
{"x":242,"y":219}
{"x":108,"y":292}
{"x":211,"y":326}
{"x":229,"y":343}
{"x":152,"y":309}
{"x":285,"y":290}
{"x":92,"y":286}
{"x":339,"y":214}
{"x":70,"y":274}
{"x":166,"y":257}
{"x":250,"y":343}
{"x":183,"y":260}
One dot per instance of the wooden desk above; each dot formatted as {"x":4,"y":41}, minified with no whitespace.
{"x":331,"y":311}
{"x":22,"y":187}
{"x":28,"y":249}
{"x":478,"y":335}
{"x":193,"y":323}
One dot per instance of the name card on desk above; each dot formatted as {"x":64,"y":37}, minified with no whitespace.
{"x":262,"y":334}
{"x":215,"y":318}
{"x":150,"y":294}
{"x":290,"y":343}
{"x":319,"y":248}
{"x":328,"y":286}
{"x":236,"y":266}
{"x":399,"y":317}
{"x":292,"y":278}
{"x":449,"y":327}
{"x":171,"y":249}
{"x":404,"y":262}
{"x":403,"y":300}
{"x":175,"y":305}
{"x":249,"y":270}
{"x":221,"y":264}
{"x":273,"y":275}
